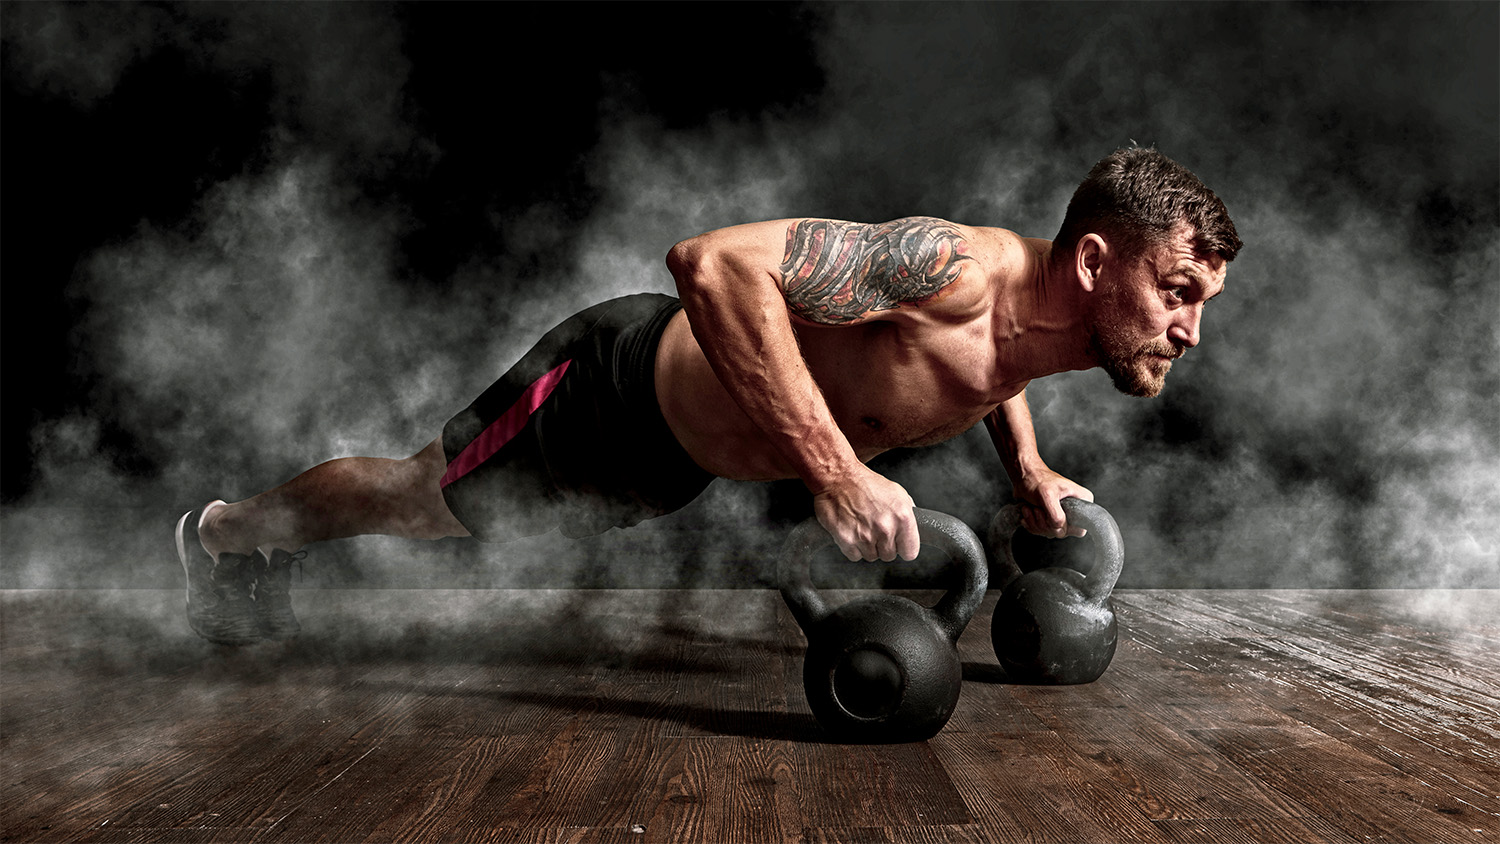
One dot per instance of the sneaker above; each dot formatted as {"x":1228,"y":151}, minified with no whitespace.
{"x":220,"y":606}
{"x":273,"y":595}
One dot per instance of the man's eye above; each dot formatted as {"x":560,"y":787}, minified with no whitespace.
{"x":1177,"y":293}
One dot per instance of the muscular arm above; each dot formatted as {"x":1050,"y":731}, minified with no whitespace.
{"x":729,"y":286}
{"x":1032,"y":482}
{"x":742,"y":287}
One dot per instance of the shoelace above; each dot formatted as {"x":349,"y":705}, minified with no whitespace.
{"x":235,"y":571}
{"x":283,"y":565}
{"x":297,"y":558}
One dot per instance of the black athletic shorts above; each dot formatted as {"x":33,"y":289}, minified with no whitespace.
{"x":572,"y":437}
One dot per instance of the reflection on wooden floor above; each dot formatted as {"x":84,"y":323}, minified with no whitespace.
{"x":399,"y":715}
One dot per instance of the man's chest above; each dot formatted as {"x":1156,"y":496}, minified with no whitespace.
{"x":891,"y":389}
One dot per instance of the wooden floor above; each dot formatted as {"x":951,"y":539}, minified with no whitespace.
{"x":635,"y":716}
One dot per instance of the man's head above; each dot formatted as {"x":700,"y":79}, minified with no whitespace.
{"x":1150,"y":244}
{"x":1135,"y":198}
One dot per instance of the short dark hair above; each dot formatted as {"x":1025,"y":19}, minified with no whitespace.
{"x":1135,"y":197}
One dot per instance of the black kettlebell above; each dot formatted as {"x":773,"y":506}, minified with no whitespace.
{"x":884,"y":668}
{"x":1054,"y":625}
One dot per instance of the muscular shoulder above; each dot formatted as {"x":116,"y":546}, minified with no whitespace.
{"x":1002,"y":252}
{"x":836,"y":272}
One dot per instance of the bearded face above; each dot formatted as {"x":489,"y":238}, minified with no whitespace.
{"x":1145,"y":311}
{"x":1137,"y":362}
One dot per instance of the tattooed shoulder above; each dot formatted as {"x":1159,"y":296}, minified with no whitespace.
{"x":837,"y":272}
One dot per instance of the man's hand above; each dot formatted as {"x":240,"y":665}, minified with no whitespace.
{"x":1040,"y":494}
{"x":870,"y":517}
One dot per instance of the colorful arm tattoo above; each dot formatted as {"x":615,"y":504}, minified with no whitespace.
{"x":836,"y":272}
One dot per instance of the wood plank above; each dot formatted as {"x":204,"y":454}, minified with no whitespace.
{"x":139,"y":835}
{"x":726,"y":662}
{"x":202,"y":730}
{"x":1164,"y":772}
{"x":1427,"y":644}
{"x":607,"y":713}
{"x":257,"y":748}
{"x":683,"y":809}
{"x":667,"y":715}
{"x":1419,"y":728}
{"x":431,"y":803}
{"x":898,"y":785}
{"x":751,"y":789}
{"x":504,"y":802}
{"x":1363,"y":626}
{"x":1426,"y":726}
{"x":1252,"y":831}
{"x":87,"y":802}
{"x":593,"y":772}
{"x":353,"y":801}
{"x":1357,"y":794}
{"x":1423,"y":726}
{"x":278,"y":770}
{"x":1033,"y":787}
{"x":641,"y":769}
{"x":468,"y":701}
{"x":937,"y":834}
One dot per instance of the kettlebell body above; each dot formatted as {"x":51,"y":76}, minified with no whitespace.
{"x":1055,"y":625}
{"x":881,"y":668}
{"x":1050,"y":633}
{"x":884,"y":668}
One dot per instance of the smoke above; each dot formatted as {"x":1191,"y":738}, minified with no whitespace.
{"x":1336,"y":427}
{"x":80,"y":57}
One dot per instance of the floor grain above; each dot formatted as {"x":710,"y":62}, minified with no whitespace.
{"x":594,"y":715}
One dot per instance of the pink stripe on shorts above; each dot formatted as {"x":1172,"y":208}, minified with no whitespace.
{"x":505,"y":428}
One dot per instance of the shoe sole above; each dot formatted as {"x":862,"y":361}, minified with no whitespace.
{"x":182,"y":551}
{"x":187,"y":576}
{"x":283,"y":635}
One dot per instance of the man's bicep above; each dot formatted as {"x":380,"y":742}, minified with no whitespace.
{"x":835,"y":272}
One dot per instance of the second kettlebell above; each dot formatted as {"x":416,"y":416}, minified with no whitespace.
{"x":884,"y":668}
{"x":1054,"y":625}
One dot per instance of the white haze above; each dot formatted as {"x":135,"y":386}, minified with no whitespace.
{"x":1345,"y":392}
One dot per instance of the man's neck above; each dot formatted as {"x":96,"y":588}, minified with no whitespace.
{"x":1040,"y":328}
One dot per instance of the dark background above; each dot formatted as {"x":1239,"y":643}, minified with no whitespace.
{"x":242,"y":239}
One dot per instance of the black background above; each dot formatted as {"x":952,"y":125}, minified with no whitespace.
{"x":456,"y":177}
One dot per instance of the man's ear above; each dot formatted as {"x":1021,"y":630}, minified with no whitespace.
{"x":1088,"y":260}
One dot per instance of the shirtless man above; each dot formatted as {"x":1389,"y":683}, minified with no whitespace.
{"x":800,"y":348}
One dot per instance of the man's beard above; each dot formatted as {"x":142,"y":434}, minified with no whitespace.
{"x":1135,"y":370}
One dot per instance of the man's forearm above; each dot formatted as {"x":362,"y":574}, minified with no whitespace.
{"x":1032,"y":481}
{"x":1015,"y":438}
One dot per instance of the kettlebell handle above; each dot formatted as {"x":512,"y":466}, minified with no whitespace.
{"x":947,"y":533}
{"x":1109,"y":547}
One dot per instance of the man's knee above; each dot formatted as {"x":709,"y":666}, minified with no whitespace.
{"x":430,"y":462}
{"x":422,"y":476}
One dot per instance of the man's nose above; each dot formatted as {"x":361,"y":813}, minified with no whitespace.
{"x":1184,"y":330}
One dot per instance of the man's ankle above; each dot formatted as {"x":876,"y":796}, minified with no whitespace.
{"x":210,"y":530}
